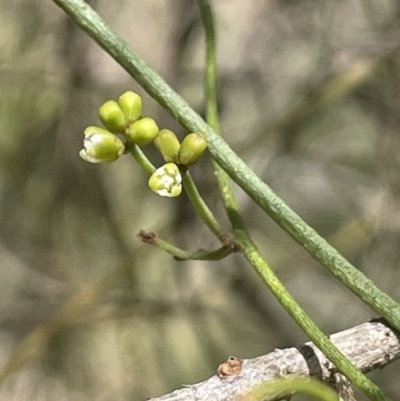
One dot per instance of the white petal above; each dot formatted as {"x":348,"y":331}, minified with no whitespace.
{"x":166,"y":181}
{"x":87,"y":158}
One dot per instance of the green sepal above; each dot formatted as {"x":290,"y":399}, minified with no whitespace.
{"x":192,"y":148}
{"x":112,"y":116}
{"x":143,"y":131}
{"x":168,"y":145}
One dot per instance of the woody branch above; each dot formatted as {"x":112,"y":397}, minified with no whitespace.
{"x":369,"y":346}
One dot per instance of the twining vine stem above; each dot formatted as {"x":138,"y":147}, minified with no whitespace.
{"x":259,"y":191}
{"x":89,"y":21}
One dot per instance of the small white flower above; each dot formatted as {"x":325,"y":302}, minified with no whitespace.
{"x":101,"y":146}
{"x":166,"y":180}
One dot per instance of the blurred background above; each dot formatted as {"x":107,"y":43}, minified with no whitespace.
{"x":309,"y":98}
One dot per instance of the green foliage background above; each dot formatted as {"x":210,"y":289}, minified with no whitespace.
{"x":308,"y":98}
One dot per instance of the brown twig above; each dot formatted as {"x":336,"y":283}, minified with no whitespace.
{"x":369,"y":346}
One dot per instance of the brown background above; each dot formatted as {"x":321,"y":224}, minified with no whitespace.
{"x":309,"y":97}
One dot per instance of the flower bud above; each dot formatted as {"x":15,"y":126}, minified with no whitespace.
{"x":131,"y":104}
{"x":166,"y":181}
{"x":192,"y":148}
{"x":101,"y":146}
{"x":112,"y":116}
{"x":143,"y":131}
{"x":168,"y":145}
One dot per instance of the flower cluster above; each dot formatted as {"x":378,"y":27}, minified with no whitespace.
{"x":126,"y":127}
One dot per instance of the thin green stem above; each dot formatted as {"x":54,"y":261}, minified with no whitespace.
{"x":243,"y":239}
{"x":190,"y":187}
{"x":86,"y":18}
{"x":181,"y":254}
{"x":212,"y":115}
{"x":201,"y":207}
{"x":142,"y":159}
{"x":280,"y":387}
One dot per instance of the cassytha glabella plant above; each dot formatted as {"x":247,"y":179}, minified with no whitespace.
{"x":258,"y":190}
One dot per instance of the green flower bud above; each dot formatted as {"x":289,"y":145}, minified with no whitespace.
{"x":131,"y":105}
{"x":112,"y":116}
{"x":168,"y":145}
{"x":101,"y":146}
{"x":192,"y":148}
{"x":166,"y":181}
{"x":143,"y":131}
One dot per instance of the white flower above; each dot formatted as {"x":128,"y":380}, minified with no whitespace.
{"x":166,"y":180}
{"x":101,"y":146}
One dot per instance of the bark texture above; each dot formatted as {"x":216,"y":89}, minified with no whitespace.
{"x":369,"y":346}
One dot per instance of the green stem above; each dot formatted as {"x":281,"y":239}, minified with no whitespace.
{"x":190,"y":187}
{"x":249,"y":249}
{"x":201,"y":207}
{"x":280,"y":387}
{"x":261,"y":193}
{"x":142,"y":159}
{"x":181,"y":254}
{"x":212,"y":115}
